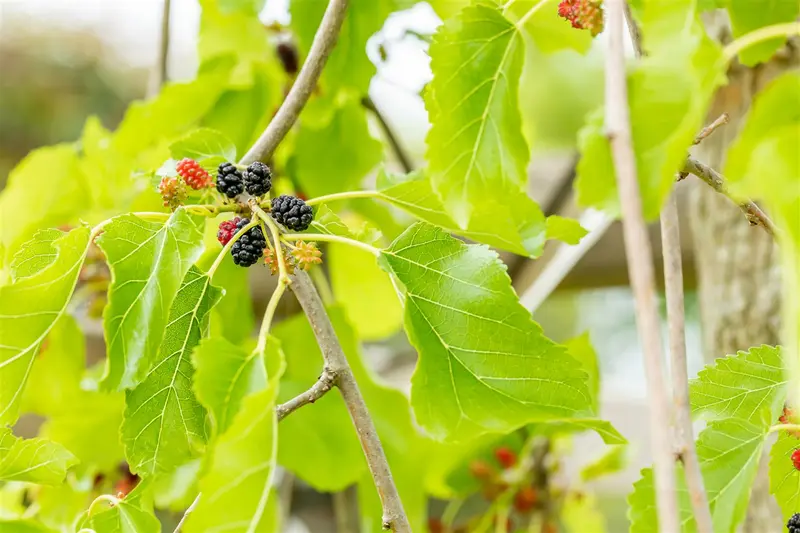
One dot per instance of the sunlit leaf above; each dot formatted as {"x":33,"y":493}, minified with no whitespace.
{"x":203,"y":143}
{"x":237,"y":491}
{"x":747,"y":16}
{"x":164,"y":423}
{"x":148,"y":260}
{"x":36,"y":254}
{"x":24,"y":526}
{"x":33,"y":460}
{"x":550,"y":33}
{"x":564,"y":229}
{"x":484,"y":365}
{"x":28,"y":311}
{"x":614,"y":460}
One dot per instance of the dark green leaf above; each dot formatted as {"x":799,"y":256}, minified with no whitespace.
{"x":164,"y":423}
{"x":148,"y":261}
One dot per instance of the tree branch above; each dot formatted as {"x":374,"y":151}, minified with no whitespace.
{"x":714,"y":179}
{"x":158,"y":76}
{"x":394,"y":142}
{"x":676,"y":316}
{"x":298,"y":96}
{"x":319,"y":389}
{"x":394,"y":516}
{"x":187,"y":513}
{"x":638,"y":252}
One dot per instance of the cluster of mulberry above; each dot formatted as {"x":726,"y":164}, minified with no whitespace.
{"x":249,"y":249}
{"x":292,"y":212}
{"x":256,"y":179}
{"x":583,"y":14}
{"x":793,"y":525}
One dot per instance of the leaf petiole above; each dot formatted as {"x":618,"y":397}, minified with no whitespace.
{"x":784,"y":427}
{"x":111,"y":500}
{"x":269,"y":314}
{"x":348,"y":195}
{"x":747,"y":40}
{"x":276,"y":238}
{"x":332,"y":238}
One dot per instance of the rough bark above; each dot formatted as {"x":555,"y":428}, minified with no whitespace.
{"x":737,"y":264}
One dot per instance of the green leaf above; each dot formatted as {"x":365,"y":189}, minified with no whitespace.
{"x":642,"y":513}
{"x":233,"y":316}
{"x":747,"y":16}
{"x":414,"y":194}
{"x":611,"y":462}
{"x":669,"y":94}
{"x":316,"y":443}
{"x":564,"y":229}
{"x":177,"y":490}
{"x":348,"y":65}
{"x":33,"y":460}
{"x":485,"y":365}
{"x":237,"y":491}
{"x":133,"y":514}
{"x":365,"y":292}
{"x":61,"y":195}
{"x":36,"y":254}
{"x":336,"y":156}
{"x":24,"y":526}
{"x":28,"y":310}
{"x":99,"y":157}
{"x":148,"y":261}
{"x":549,"y":32}
{"x":477,"y":154}
{"x":581,"y":349}
{"x":784,"y":478}
{"x":164,"y":424}
{"x":226,"y":374}
{"x":203,"y":143}
{"x":749,"y":386}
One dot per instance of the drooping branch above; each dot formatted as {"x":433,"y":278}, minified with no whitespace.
{"x":638,"y":252}
{"x":304,"y":85}
{"x":676,"y":318}
{"x":158,"y":75}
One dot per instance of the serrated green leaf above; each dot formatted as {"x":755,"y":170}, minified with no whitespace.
{"x":749,"y":386}
{"x":164,"y":423}
{"x":784,"y":478}
{"x":565,"y":229}
{"x":237,"y":490}
{"x":148,"y":261}
{"x":61,"y":195}
{"x":484,"y":365}
{"x":36,"y":254}
{"x":133,"y":514}
{"x":33,"y":460}
{"x":669,"y":93}
{"x":549,"y":32}
{"x":336,"y":156}
{"x":477,"y":154}
{"x":603,"y":428}
{"x":202,"y":144}
{"x":642,"y":512}
{"x":500,"y":229}
{"x":28,"y":311}
{"x":747,"y":16}
{"x":581,"y":349}
{"x":225,"y":375}
{"x":614,"y":460}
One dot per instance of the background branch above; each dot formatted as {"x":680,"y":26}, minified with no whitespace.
{"x":158,"y":76}
{"x":638,"y":252}
{"x":298,"y":96}
{"x":676,"y":317}
{"x":321,"y":387}
{"x":394,"y":142}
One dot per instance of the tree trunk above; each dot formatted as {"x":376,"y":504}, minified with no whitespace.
{"x":737,"y":264}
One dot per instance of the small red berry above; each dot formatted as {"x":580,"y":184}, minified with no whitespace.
{"x":525,"y":500}
{"x":796,"y":459}
{"x":227,"y":229}
{"x":583,"y":14}
{"x":481,"y":469}
{"x":193,"y":174}
{"x":435,"y":525}
{"x":505,"y":456}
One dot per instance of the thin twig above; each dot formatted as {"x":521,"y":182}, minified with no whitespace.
{"x":714,"y":179}
{"x":676,"y":317}
{"x":711,"y":128}
{"x":158,"y":76}
{"x":320,"y":388}
{"x":394,"y":516}
{"x":394,"y":142}
{"x":185,"y":516}
{"x":638,"y":252}
{"x":301,"y":90}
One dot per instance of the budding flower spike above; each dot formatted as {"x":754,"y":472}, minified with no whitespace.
{"x":306,"y":255}
{"x":193,"y":174}
{"x":173,"y":191}
{"x":271,"y":260}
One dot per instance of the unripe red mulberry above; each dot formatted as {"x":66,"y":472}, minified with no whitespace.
{"x":796,"y":459}
{"x":193,"y":174}
{"x":583,"y":14}
{"x":173,"y":191}
{"x":505,"y":456}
